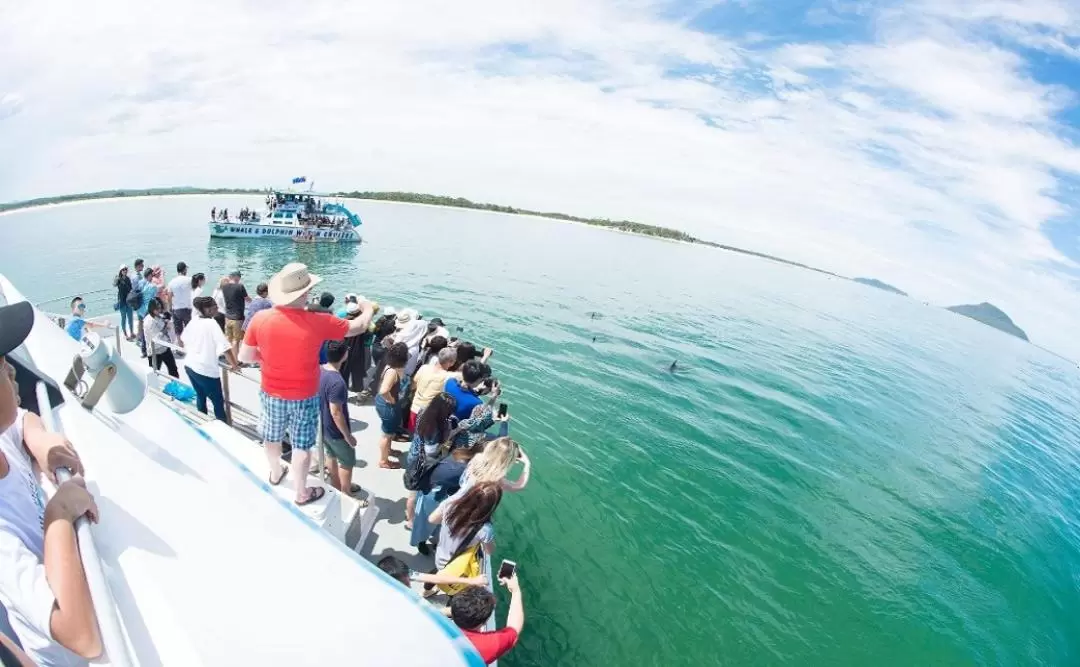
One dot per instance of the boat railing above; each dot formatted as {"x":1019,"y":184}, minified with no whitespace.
{"x":113,"y":640}
{"x":226,"y":375}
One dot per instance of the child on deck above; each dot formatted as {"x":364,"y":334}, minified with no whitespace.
{"x":42,"y":584}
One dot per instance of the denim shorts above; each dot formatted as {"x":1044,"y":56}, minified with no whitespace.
{"x":299,"y":418}
{"x":389,"y":414}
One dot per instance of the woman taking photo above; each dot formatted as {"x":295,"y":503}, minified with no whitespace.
{"x":432,"y":429}
{"x":122,"y":283}
{"x":392,"y":387}
{"x":493,"y":464}
{"x":157,"y":326}
{"x":204,"y":343}
{"x":466,"y":522}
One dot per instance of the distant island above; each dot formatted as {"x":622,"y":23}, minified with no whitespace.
{"x":628,"y":226}
{"x":874,"y":282}
{"x":990,"y":315}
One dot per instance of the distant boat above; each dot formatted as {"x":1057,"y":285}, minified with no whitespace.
{"x":305,"y":217}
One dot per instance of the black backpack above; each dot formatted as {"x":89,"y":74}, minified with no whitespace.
{"x":134,"y":299}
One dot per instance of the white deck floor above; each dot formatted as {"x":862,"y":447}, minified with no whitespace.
{"x":382,"y":487}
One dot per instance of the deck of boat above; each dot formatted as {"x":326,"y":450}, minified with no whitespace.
{"x":341,"y":515}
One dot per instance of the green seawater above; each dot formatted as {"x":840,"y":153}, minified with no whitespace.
{"x":836,"y":475}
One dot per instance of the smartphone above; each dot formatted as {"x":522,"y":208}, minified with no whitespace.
{"x":507,"y":569}
{"x":502,"y":410}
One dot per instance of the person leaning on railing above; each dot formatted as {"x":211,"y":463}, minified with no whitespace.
{"x":42,"y":584}
{"x":470,"y":610}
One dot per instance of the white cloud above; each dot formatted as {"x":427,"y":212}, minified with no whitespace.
{"x":926,"y":156}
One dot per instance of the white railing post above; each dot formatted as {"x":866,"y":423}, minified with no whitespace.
{"x":112,"y":634}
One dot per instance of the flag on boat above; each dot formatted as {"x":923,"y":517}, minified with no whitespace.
{"x":299,"y":179}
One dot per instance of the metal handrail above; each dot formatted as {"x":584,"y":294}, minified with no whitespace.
{"x":112,"y":634}
{"x":72,"y":296}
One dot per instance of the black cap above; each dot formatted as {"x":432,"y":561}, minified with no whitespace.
{"x":16,"y":321}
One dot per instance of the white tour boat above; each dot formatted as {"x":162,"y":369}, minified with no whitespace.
{"x":196,"y":559}
{"x":305,"y":217}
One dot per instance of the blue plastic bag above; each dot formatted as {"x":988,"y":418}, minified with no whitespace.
{"x":179,"y":391}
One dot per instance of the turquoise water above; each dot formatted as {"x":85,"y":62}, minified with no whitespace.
{"x":838,"y":476}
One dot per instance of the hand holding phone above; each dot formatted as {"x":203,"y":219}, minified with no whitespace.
{"x":507,"y":570}
{"x":502,"y":410}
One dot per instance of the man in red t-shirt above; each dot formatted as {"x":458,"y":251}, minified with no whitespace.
{"x":286,"y":340}
{"x":472,"y":607}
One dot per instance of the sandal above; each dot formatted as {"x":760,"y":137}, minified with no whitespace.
{"x":314,"y":493}
{"x":390,"y":465}
{"x":273,"y":482}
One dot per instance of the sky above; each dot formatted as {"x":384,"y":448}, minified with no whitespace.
{"x":932,"y":144}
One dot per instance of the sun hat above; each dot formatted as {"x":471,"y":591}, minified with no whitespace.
{"x":16,"y":321}
{"x":292,"y":282}
{"x":389,"y":311}
{"x":122,"y":268}
{"x":351,"y":297}
{"x":405,"y":316}
{"x":351,"y":307}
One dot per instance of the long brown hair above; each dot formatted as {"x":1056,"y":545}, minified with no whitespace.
{"x":432,"y":423}
{"x":473,"y":509}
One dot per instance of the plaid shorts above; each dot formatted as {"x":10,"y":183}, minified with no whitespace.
{"x":299,"y":418}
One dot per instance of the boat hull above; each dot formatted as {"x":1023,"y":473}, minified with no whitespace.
{"x":250,"y":230}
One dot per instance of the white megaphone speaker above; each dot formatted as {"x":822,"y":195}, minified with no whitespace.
{"x":98,"y":372}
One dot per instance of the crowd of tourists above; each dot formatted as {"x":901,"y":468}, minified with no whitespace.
{"x":245,"y":215}
{"x":429,"y":389}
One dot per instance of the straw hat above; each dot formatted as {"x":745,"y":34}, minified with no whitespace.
{"x":405,"y":316}
{"x":291,"y":283}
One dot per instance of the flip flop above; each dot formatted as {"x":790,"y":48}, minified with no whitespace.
{"x":284,"y":471}
{"x":315,"y":492}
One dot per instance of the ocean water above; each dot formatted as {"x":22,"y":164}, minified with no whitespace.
{"x":834,"y":476}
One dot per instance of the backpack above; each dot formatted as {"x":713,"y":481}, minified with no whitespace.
{"x":134,"y":299}
{"x":414,"y":471}
{"x":417,"y":477}
{"x":465,"y":563}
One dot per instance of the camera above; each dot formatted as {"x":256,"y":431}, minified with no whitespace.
{"x":166,"y":315}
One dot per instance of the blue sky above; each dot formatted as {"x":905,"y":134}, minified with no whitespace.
{"x":934,"y":144}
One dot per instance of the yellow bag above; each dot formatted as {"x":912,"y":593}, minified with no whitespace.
{"x":466,"y":565}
